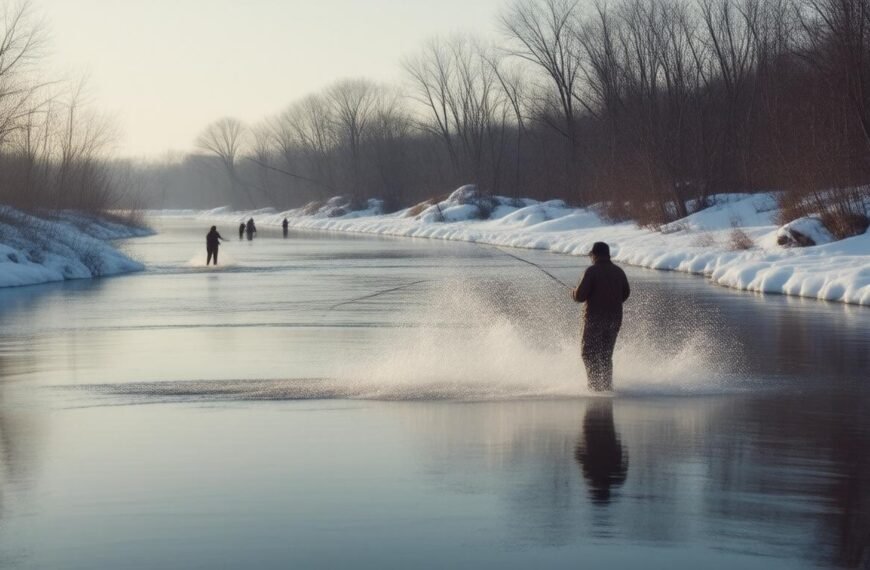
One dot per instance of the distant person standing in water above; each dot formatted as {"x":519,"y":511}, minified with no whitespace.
{"x":212,"y":242}
{"x":284,"y":225}
{"x":604,"y":288}
{"x":250,"y":229}
{"x":241,"y":230}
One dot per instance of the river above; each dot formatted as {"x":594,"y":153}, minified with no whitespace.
{"x":331,"y":401}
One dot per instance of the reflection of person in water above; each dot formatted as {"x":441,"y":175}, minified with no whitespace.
{"x":600,"y":453}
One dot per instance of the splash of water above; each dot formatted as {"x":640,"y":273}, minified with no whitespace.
{"x":198,"y":262}
{"x":501,"y":340}
{"x":494,"y":340}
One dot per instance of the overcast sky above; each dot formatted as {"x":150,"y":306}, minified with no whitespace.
{"x":163,"y":69}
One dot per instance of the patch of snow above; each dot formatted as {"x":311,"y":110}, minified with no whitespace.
{"x":798,"y":231}
{"x":63,"y":245}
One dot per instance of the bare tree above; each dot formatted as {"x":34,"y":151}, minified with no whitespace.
{"x":386,"y":139}
{"x":432,"y":73}
{"x":837,"y":36}
{"x":21,"y":42}
{"x":514,"y":87}
{"x":543,"y":32}
{"x":306,"y":130}
{"x":458,"y":85}
{"x":225,"y":140}
{"x":260,"y":154}
{"x":354,"y":105}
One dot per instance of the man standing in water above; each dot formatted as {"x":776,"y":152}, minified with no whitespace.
{"x":604,"y":288}
{"x":251,"y":229}
{"x":212,"y":242}
{"x":284,"y":225}
{"x":241,"y":230}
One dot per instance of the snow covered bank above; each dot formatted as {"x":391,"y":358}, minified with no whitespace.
{"x":704,"y":242}
{"x":64,"y":245}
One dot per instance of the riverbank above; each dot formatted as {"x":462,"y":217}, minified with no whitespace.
{"x":64,"y":245}
{"x":734,"y":242}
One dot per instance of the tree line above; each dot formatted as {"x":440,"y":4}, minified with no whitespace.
{"x":53,"y":146}
{"x":646,"y":108}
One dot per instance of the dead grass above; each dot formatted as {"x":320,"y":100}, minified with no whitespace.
{"x":311,"y":208}
{"x":843,"y":211}
{"x":132,"y":218}
{"x":418,"y":209}
{"x":738,"y":240}
{"x":705,"y":239}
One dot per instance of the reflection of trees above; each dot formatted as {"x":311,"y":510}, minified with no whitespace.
{"x":15,"y":443}
{"x":775,"y":475}
{"x":789,"y":468}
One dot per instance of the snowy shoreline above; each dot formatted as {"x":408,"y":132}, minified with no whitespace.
{"x":37,"y":249}
{"x":698,"y":244}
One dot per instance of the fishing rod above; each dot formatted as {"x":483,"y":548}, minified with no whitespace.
{"x":407,"y":285}
{"x":378,"y":294}
{"x":533,"y":264}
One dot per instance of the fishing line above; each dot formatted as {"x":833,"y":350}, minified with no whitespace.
{"x":378,"y":294}
{"x":533,"y":264}
{"x":406,"y":285}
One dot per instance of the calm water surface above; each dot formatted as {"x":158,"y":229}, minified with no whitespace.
{"x":252,"y":417}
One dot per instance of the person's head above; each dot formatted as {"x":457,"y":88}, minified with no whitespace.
{"x":600,"y":250}
{"x":214,"y":228}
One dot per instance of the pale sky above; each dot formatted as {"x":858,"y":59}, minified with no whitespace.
{"x":164,"y":69}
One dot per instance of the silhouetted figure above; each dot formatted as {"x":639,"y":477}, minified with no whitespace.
{"x":602,"y":459}
{"x":241,"y":230}
{"x":284,"y":225}
{"x":212,"y":243}
{"x":604,"y":288}
{"x":250,"y":229}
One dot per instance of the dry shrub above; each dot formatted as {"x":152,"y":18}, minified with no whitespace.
{"x":738,"y":240}
{"x":311,"y":208}
{"x":132,"y":218}
{"x":615,"y":211}
{"x":845,"y":224}
{"x":415,"y":211}
{"x":843,"y":211}
{"x":705,"y":239}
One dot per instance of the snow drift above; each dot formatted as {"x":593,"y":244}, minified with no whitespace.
{"x":63,"y":245}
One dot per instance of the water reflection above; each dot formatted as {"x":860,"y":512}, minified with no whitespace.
{"x":600,"y":453}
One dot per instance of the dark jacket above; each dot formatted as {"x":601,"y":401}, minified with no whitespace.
{"x":604,"y":288}
{"x":212,"y":239}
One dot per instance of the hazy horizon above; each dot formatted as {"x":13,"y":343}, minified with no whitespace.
{"x":164,"y":70}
